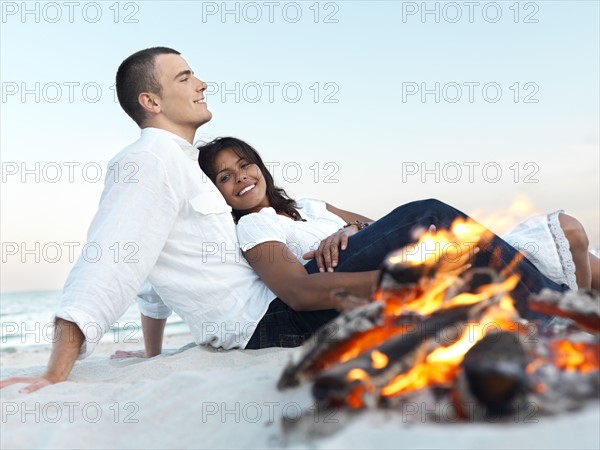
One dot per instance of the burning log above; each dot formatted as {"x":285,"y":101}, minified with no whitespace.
{"x":346,"y":301}
{"x":347,"y":382}
{"x":363,"y":328}
{"x":581,"y":306}
{"x":403,"y":280}
{"x":342,"y":328}
{"x":494,"y":377}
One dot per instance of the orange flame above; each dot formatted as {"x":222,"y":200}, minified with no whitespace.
{"x":442,"y":364}
{"x":444,"y":248}
{"x":357,"y":345}
{"x":576,"y":356}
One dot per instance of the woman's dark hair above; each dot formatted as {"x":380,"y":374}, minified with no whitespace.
{"x":278,"y":199}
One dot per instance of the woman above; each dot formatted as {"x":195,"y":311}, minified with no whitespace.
{"x":556,"y":243}
{"x":275,"y":238}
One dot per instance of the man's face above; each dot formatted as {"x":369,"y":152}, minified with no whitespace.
{"x":182,"y":96}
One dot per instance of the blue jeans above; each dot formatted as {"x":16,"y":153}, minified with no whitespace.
{"x":283,"y":327}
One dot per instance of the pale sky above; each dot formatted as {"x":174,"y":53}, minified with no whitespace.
{"x":367,"y":105}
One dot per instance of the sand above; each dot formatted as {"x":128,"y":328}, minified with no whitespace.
{"x":201,"y":398}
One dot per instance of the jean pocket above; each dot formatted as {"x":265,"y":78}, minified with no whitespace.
{"x":291,"y":340}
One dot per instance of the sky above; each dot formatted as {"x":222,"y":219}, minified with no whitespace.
{"x":492,"y":107}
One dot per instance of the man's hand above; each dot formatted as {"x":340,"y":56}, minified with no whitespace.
{"x":328,"y":252}
{"x":68,"y":339}
{"x":122,"y":354}
{"x":34,"y":383}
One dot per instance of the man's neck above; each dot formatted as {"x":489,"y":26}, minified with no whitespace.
{"x":186,"y":133}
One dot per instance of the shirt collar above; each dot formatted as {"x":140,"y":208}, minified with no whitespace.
{"x":189,"y":150}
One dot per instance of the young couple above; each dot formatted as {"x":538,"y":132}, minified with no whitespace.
{"x":188,"y":259}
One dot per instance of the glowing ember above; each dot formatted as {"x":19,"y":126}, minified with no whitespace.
{"x":355,"y":398}
{"x":576,"y":356}
{"x":379,"y":359}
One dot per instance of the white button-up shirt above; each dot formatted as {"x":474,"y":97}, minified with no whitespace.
{"x":161,"y":220}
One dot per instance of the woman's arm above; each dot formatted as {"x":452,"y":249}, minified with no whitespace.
{"x":326,"y":255}
{"x":348,"y":216}
{"x":287,"y":278}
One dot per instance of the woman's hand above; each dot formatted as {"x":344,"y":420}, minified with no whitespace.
{"x":328,"y":252}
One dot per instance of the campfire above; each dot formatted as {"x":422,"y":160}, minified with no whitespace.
{"x":440,"y":332}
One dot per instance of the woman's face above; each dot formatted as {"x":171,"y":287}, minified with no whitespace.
{"x":240,"y":182}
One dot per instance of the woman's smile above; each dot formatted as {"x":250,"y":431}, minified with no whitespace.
{"x":246,"y":190}
{"x":240,"y":181}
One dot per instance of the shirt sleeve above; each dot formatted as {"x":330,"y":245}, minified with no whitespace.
{"x":124,"y":241}
{"x":150,"y":304}
{"x":315,"y":209}
{"x":256,"y":228}
{"x":311,"y":207}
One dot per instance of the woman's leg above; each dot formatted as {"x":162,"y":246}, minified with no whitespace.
{"x":578,"y":244}
{"x":281,"y":326}
{"x":367,"y":249}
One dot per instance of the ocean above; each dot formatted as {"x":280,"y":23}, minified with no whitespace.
{"x":26,"y":322}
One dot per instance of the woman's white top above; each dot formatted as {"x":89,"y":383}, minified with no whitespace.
{"x":300,"y":237}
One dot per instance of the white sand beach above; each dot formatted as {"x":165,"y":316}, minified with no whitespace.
{"x":200,"y":398}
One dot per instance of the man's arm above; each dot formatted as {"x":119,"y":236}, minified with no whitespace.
{"x":286,"y":277}
{"x":134,"y":217}
{"x":68,"y":339}
{"x":153,"y":331}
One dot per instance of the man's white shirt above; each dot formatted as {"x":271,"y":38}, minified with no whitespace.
{"x":162,"y":228}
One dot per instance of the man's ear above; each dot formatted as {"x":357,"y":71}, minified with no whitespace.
{"x":149,"y":102}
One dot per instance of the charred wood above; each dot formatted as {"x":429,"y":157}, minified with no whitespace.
{"x":494,"y":370}
{"x":335,"y":385}
{"x":338,"y":330}
{"x":583,"y":306}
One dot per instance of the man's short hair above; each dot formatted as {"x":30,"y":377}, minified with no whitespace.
{"x":137,"y":74}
